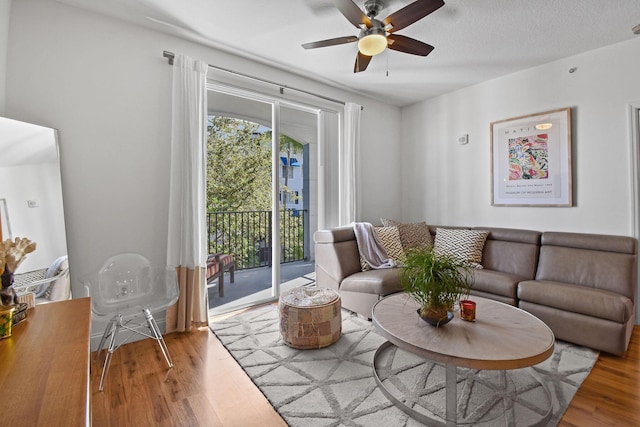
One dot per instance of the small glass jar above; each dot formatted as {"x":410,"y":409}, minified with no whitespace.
{"x":468,"y":310}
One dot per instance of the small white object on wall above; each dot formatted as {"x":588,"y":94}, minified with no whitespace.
{"x":32,"y":203}
{"x":463,"y":139}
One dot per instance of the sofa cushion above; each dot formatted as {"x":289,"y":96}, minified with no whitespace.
{"x":577,"y":299}
{"x":604,"y":270}
{"x":511,"y":251}
{"x":384,"y":281}
{"x":496,"y":283}
{"x":465,"y":245}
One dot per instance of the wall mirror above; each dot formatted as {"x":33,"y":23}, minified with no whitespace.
{"x":31,"y":191}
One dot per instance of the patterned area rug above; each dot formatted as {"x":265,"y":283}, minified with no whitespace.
{"x":334,"y":386}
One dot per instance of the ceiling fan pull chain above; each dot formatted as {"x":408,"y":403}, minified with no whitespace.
{"x":387,"y":55}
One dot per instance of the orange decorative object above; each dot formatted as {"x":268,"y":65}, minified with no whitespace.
{"x":468,"y":310}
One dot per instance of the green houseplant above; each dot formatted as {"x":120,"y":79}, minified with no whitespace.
{"x":436,"y":282}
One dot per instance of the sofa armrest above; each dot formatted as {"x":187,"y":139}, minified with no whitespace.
{"x":337,"y":254}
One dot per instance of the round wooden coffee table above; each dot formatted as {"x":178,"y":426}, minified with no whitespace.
{"x":502,"y":337}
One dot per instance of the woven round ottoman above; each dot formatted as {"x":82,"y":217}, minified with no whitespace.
{"x":310,"y":317}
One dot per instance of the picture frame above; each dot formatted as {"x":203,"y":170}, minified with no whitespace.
{"x":531,"y":160}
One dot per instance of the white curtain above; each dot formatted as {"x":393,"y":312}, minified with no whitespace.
{"x":187,"y":245}
{"x":348,"y":164}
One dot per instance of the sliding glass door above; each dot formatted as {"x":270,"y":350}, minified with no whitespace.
{"x":261,"y":195}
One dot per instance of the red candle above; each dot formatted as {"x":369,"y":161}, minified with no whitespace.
{"x":468,"y":310}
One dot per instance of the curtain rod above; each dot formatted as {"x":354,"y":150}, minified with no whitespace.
{"x":171,"y":55}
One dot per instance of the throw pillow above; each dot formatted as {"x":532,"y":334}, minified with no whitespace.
{"x":364,"y":266}
{"x":386,"y":222}
{"x":59,"y":290}
{"x":390,"y":239}
{"x":413,"y":235}
{"x":465,"y":245}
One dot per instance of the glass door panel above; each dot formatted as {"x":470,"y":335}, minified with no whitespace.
{"x":240,"y":198}
{"x":298,"y":194}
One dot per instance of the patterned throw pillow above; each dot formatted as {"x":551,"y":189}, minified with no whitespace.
{"x":414,"y":235}
{"x":390,"y":239}
{"x":465,"y":245}
{"x":386,"y":222}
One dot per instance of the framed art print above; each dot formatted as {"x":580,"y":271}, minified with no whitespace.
{"x":531,"y":160}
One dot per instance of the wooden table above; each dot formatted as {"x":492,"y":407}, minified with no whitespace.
{"x":502,"y":337}
{"x":44,"y":367}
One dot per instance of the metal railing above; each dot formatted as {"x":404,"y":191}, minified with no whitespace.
{"x":247,"y":235}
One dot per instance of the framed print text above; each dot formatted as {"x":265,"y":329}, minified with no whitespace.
{"x":531,"y":160}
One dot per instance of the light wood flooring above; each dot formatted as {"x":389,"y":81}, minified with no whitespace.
{"x":208,"y":388}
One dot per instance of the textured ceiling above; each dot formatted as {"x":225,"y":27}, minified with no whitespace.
{"x":474,"y":40}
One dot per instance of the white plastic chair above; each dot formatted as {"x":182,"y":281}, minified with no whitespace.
{"x":127,"y":287}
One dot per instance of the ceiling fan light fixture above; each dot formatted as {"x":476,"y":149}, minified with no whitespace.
{"x":374,"y":42}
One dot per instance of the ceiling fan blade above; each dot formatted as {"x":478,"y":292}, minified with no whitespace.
{"x":362,"y":61}
{"x":330,"y":42}
{"x":352,"y":12}
{"x":408,"y":45}
{"x":411,"y":13}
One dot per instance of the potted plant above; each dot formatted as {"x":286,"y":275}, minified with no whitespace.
{"x":436,"y":282}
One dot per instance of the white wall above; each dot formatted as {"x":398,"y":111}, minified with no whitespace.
{"x":43,"y":224}
{"x":106,"y":87}
{"x":5,"y":10}
{"x":449,"y":184}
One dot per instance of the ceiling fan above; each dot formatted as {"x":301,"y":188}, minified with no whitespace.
{"x":375,"y":35}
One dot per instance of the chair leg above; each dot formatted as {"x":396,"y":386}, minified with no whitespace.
{"x":232,"y":272}
{"x":107,"y":333}
{"x":116,"y":323}
{"x":221,"y":282}
{"x":153,"y":326}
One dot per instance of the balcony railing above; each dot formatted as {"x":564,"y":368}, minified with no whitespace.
{"x":247,"y":235}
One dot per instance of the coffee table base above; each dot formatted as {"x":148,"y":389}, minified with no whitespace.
{"x":451,"y":393}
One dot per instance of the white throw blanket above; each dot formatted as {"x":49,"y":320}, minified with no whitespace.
{"x":370,"y":247}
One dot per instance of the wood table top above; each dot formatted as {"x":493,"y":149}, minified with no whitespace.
{"x":44,"y":366}
{"x":502,"y":336}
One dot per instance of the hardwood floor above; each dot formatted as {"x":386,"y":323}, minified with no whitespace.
{"x":610,"y":396}
{"x":208,"y":388}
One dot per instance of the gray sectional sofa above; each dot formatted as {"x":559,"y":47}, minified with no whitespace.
{"x":583,"y":286}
